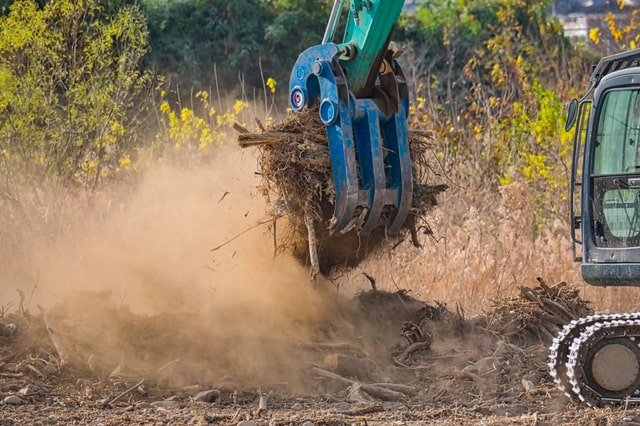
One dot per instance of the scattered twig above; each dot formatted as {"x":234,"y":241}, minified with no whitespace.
{"x":35,"y":370}
{"x":169,"y":364}
{"x":126,"y":392}
{"x":62,"y":353}
{"x":12,"y":375}
{"x":223,"y":195}
{"x":334,"y":376}
{"x":260,"y":125}
{"x":262,"y":222}
{"x":373,"y":390}
{"x":361,"y":411}
{"x":263,"y":403}
{"x":240,"y":128}
{"x":235,"y":416}
{"x":372,"y":280}
{"x":21,"y":304}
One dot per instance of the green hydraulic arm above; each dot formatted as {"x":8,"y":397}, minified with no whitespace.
{"x":362,"y":98}
{"x":368,"y":31}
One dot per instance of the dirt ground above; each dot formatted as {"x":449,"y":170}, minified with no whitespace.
{"x":378,"y":358}
{"x":128,"y":316}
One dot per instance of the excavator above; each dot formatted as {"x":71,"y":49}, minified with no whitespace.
{"x":596,"y":359}
{"x":361,"y":94}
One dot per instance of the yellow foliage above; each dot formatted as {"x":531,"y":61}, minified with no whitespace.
{"x":117,"y":128}
{"x":90,"y":168}
{"x":625,"y":37}
{"x":594,"y":35}
{"x":536,"y":166}
{"x":188,"y":131}
{"x":125,"y":160}
{"x":506,"y":179}
{"x":271,"y":84}
{"x":616,"y":32}
{"x":497,"y":75}
{"x":124,"y":163}
{"x":239,"y":106}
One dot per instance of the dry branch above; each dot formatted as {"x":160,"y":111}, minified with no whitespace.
{"x":125,"y":393}
{"x":57,"y":343}
{"x":240,"y":128}
{"x":263,"y":403}
{"x":313,"y":244}
{"x":357,"y":411}
{"x":414,"y":347}
{"x":255,"y":139}
{"x":375,"y":391}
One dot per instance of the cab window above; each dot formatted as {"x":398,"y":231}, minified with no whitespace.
{"x":618,"y":134}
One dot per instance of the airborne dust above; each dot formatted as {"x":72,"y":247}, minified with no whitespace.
{"x":130,"y":283}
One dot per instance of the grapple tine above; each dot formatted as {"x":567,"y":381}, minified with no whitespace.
{"x":345,"y":174}
{"x":371,"y":167}
{"x":400,"y":175}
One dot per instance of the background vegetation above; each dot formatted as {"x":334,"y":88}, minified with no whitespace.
{"x":92,"y":94}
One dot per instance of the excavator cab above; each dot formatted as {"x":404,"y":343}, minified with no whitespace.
{"x":605,"y":178}
{"x":361,"y":94}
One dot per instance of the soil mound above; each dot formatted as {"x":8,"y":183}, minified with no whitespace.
{"x":380,"y":354}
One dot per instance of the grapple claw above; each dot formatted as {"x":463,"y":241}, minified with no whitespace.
{"x":367,"y":138}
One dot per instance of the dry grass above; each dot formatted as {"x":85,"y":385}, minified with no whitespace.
{"x":483,"y":245}
{"x":483,"y":248}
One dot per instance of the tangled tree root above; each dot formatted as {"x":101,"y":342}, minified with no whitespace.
{"x":297,"y":180}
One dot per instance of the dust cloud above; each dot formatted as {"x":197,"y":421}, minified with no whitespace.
{"x":135,"y":288}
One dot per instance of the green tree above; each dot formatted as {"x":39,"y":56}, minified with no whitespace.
{"x":70,"y":82}
{"x":194,"y":41}
{"x":298,"y":25}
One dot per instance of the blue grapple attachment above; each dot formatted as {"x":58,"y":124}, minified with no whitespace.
{"x":363,"y":101}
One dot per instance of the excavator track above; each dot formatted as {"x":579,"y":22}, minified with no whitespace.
{"x":596,"y":359}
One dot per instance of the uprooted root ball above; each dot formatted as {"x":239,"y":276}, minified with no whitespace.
{"x":295,"y":165}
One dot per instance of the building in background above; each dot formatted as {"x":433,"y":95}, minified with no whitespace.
{"x":579,"y":17}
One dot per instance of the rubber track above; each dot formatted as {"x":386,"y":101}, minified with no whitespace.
{"x":569,"y":349}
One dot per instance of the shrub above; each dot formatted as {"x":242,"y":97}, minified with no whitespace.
{"x":69,"y":83}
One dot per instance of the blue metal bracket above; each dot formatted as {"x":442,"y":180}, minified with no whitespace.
{"x":368,"y":144}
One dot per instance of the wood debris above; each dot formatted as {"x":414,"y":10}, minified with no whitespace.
{"x":295,"y":166}
{"x":538,"y":313}
{"x":384,"y":393}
